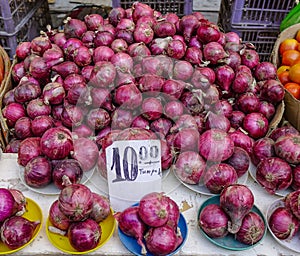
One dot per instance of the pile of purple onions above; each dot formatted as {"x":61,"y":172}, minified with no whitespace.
{"x":77,"y":214}
{"x":284,"y":221}
{"x":234,"y":215}
{"x":15,"y":230}
{"x":153,"y":222}
{"x":277,"y":159}
{"x":198,"y":89}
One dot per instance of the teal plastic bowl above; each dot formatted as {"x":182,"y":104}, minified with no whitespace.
{"x":229,"y":242}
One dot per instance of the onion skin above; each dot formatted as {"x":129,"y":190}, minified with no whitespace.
{"x":213,"y":220}
{"x":239,"y":160}
{"x":215,"y":145}
{"x":283,"y":130}
{"x":84,"y":235}
{"x":274,"y":173}
{"x":262,"y":148}
{"x":256,"y":124}
{"x":283,"y":224}
{"x":6,"y":204}
{"x":66,"y":167}
{"x":189,"y":167}
{"x":37,"y":172}
{"x":85,"y":152}
{"x":252,"y":229}
{"x":296,"y":177}
{"x":174,"y":214}
{"x":218,"y":176}
{"x":57,"y":218}
{"x":288,"y":147}
{"x":20,"y":201}
{"x":57,"y":143}
{"x":101,"y":207}
{"x":153,"y":209}
{"x":12,"y":112}
{"x":29,"y":148}
{"x":75,"y":201}
{"x":16,"y":231}
{"x":131,"y":224}
{"x":236,"y":200}
{"x":161,"y":240}
{"x":292,"y":203}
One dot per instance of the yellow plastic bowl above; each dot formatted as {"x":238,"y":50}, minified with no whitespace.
{"x":62,"y":242}
{"x":33,"y":213}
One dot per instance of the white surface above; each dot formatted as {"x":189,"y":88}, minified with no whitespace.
{"x":188,"y":200}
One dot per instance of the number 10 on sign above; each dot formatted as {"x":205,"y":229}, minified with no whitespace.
{"x":133,"y":168}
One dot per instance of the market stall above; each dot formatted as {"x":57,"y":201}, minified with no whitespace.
{"x":116,"y":105}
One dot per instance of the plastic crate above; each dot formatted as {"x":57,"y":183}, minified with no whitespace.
{"x":256,"y":13}
{"x":21,"y":20}
{"x":180,"y":7}
{"x":262,"y":39}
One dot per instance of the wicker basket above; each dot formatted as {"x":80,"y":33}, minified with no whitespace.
{"x":292,"y":105}
{"x":5,"y":84}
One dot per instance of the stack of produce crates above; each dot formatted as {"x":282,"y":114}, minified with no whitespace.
{"x":180,"y":7}
{"x":256,"y":21}
{"x":21,"y":20}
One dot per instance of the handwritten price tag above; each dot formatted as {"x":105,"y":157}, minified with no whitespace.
{"x":133,"y":170}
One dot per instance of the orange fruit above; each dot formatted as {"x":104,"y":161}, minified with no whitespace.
{"x":289,"y":57}
{"x":284,"y":77}
{"x":298,"y":36}
{"x":288,"y":44}
{"x":282,"y":68}
{"x":294,"y":73}
{"x":294,"y":89}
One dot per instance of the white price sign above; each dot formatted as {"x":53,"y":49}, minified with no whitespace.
{"x":133,"y":170}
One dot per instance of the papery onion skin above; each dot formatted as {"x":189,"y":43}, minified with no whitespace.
{"x":57,"y":143}
{"x":69,"y":168}
{"x":262,"y":148}
{"x":85,"y":152}
{"x":189,"y":167}
{"x":75,"y":201}
{"x":288,"y":148}
{"x":161,"y":240}
{"x":213,"y":220}
{"x":37,"y":172}
{"x":283,"y":130}
{"x":84,"y":235}
{"x":236,"y":200}
{"x":16,"y":231}
{"x":239,"y":160}
{"x":131,"y":224}
{"x":12,"y":112}
{"x":153,"y":209}
{"x":274,"y":173}
{"x":29,"y":148}
{"x":37,"y":107}
{"x":218,"y":176}
{"x":57,"y":218}
{"x":174,"y":214}
{"x":23,"y":128}
{"x":6,"y":204}
{"x":292,"y":203}
{"x":296,"y":177}
{"x":20,"y":201}
{"x":252,"y":229}
{"x":101,"y":207}
{"x":215,"y":145}
{"x":283,"y":224}
{"x":256,"y":124}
